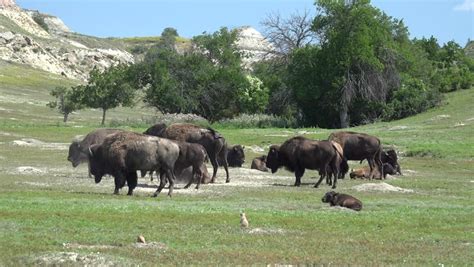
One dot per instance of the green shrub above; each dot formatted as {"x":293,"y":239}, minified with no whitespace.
{"x":412,"y":98}
{"x":39,"y":19}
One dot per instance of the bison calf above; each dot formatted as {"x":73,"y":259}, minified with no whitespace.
{"x":343,"y":200}
{"x":260,"y":163}
{"x":364,"y":172}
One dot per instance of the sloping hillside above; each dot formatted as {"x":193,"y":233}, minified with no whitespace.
{"x":44,"y":42}
{"x":469,"y":49}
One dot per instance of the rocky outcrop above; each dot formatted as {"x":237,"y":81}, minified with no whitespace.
{"x":55,"y":24}
{"x":254,"y":46}
{"x":52,"y":51}
{"x":7,"y":3}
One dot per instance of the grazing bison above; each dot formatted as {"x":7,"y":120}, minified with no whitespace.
{"x":235,"y":156}
{"x":343,"y":200}
{"x":299,"y":153}
{"x":213,"y":142}
{"x":260,"y":163}
{"x":124,"y":153}
{"x":359,"y":146}
{"x":79,"y":150}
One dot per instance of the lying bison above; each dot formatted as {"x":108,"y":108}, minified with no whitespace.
{"x":359,"y":146}
{"x":79,"y":150}
{"x":299,"y":153}
{"x":342,"y":200}
{"x":124,"y":153}
{"x":235,"y":156}
{"x":213,"y":142}
{"x":260,"y":163}
{"x":364,"y":172}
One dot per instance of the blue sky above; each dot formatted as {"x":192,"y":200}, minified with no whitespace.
{"x":445,"y":19}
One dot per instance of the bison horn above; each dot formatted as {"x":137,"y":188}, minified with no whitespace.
{"x":90,"y":152}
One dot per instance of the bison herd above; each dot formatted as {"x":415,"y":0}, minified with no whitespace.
{"x":178,"y":152}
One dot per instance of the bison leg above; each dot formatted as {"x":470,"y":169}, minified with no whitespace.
{"x":162,"y":184}
{"x":119,"y":180}
{"x":191,"y":180}
{"x":214,"y":166}
{"x":197,"y":171}
{"x":335,"y":172}
{"x":142,"y":173}
{"x":171,"y":178}
{"x":132,"y":181}
{"x":298,"y":174}
{"x":372,"y":168}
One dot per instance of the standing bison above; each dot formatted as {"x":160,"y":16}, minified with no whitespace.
{"x":359,"y":146}
{"x":79,"y":150}
{"x":299,"y":153}
{"x":124,"y":153}
{"x":213,"y":142}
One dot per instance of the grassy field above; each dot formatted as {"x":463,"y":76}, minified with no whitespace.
{"x":53,"y":214}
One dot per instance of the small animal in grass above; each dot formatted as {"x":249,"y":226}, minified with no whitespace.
{"x":343,"y":200}
{"x":244,"y":223}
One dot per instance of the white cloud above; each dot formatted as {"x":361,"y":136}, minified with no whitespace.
{"x":468,"y":5}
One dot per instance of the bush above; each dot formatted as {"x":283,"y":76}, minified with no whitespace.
{"x":39,"y":19}
{"x":258,"y":121}
{"x":412,"y":98}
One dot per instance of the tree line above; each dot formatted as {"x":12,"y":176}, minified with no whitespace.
{"x":349,"y":64}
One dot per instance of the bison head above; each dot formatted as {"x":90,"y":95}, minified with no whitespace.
{"x":76,"y":154}
{"x":95,"y":163}
{"x":236,"y":156}
{"x":328,"y":197}
{"x":273,"y":161}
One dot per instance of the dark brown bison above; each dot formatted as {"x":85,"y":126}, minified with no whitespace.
{"x":235,"y":156}
{"x":213,"y":142}
{"x":359,"y":146}
{"x":124,"y":153}
{"x":79,"y":150}
{"x":191,"y":155}
{"x":260,"y":163}
{"x":343,"y":200}
{"x":299,"y":153}
{"x":390,"y":157}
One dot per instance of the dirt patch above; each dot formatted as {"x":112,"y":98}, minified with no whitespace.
{"x":73,"y":258}
{"x":81,"y":246}
{"x":440,"y":117}
{"x":28,"y":170}
{"x":265,"y":231}
{"x":150,"y":245}
{"x":30,"y":142}
{"x":276,"y":135}
{"x":459,"y":124}
{"x":398,"y":128}
{"x":339,"y":208}
{"x":381,"y":187}
{"x":255,"y":149}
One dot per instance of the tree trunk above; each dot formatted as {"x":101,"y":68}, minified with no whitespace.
{"x":103,"y":116}
{"x":65,"y":117}
{"x":343,"y":117}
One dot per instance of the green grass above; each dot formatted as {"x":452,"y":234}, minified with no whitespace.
{"x":38,"y":213}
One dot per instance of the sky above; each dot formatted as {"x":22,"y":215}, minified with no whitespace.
{"x":444,"y":19}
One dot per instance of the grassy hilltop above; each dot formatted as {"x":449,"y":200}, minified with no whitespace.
{"x":51,"y":212}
